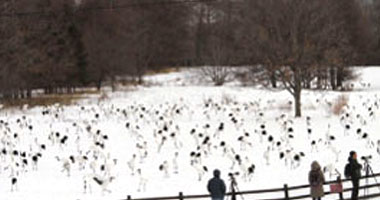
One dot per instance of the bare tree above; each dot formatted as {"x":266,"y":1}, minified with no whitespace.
{"x":292,"y":37}
{"x":374,"y":15}
{"x":42,"y":50}
{"x":218,"y":47}
{"x":145,"y":36}
{"x":220,"y":24}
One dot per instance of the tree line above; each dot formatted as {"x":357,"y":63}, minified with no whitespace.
{"x":60,"y":45}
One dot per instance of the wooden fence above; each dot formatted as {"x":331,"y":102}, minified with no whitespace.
{"x":286,"y":191}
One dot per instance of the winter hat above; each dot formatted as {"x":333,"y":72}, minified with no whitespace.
{"x":216,"y":173}
{"x":315,"y":166}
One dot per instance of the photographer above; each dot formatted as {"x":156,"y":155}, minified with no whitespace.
{"x":216,"y":186}
{"x":316,"y":180}
{"x":352,"y":170}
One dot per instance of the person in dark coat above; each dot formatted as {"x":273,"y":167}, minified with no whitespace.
{"x":216,"y":186}
{"x":316,"y":180}
{"x":355,"y":172}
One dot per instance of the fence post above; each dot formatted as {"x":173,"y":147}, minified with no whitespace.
{"x":129,"y":197}
{"x":286,"y":190}
{"x":339,"y":180}
{"x":180,"y":196}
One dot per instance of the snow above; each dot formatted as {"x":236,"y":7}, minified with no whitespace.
{"x":370,"y":75}
{"x":166,"y":94}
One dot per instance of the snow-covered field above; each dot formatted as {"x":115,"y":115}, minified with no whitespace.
{"x":187,"y":131}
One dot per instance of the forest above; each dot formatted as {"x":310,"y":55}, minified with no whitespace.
{"x":60,"y":45}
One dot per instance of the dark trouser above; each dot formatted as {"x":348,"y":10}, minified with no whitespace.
{"x":355,"y":190}
{"x":319,"y":198}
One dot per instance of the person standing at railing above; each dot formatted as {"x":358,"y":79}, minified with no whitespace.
{"x":216,"y":186}
{"x":316,"y":180}
{"x":353,"y":171}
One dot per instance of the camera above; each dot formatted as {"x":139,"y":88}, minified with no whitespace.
{"x":233,"y":174}
{"x":367,"y":158}
{"x":232,"y":178}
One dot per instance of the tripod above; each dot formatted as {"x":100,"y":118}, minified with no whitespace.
{"x":368,"y":172}
{"x":234,"y":188}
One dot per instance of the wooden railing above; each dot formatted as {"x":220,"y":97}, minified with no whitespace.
{"x":286,"y":191}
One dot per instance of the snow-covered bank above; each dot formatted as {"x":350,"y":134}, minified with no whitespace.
{"x":134,"y":123}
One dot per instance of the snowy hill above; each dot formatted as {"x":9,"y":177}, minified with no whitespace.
{"x":183,"y":128}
